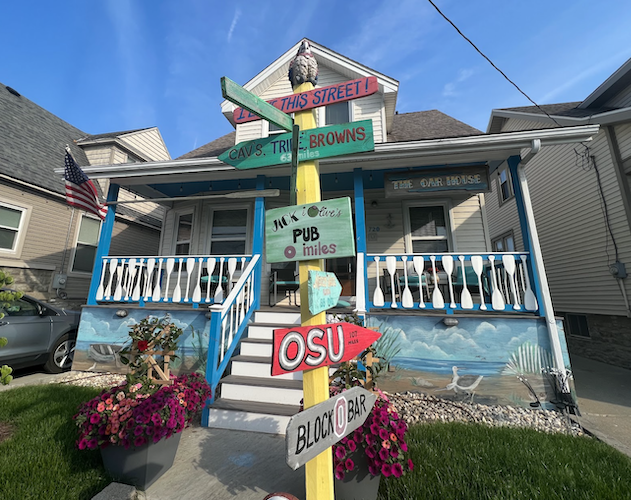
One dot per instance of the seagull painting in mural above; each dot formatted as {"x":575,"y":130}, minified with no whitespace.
{"x":465,"y":384}
{"x":303,"y":68}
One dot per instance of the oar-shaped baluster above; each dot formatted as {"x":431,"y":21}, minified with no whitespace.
{"x":232,"y":267}
{"x":197,"y":293}
{"x":377,"y":298}
{"x":170,"y":265}
{"x":112,"y":267}
{"x":476,"y":263}
{"x":497,"y":301}
{"x":118,"y":292}
{"x":448,"y":266}
{"x":509,"y":265}
{"x":465,"y":297}
{"x":530,"y":300}
{"x":219,"y":290}
{"x":438,"y":302}
{"x":190,"y":265}
{"x":177,"y":292}
{"x":151,"y":263}
{"x":100,"y":291}
{"x":391,"y":265}
{"x":210,"y":265}
{"x":157,"y":293}
{"x":407,"y":300}
{"x":419,"y":264}
{"x":135,"y":296}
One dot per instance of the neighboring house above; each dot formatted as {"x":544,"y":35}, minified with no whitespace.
{"x":46,"y":245}
{"x":423,"y":269}
{"x":582,"y":203}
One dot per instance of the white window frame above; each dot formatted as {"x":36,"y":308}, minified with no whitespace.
{"x":509,"y":182}
{"x":248,"y":226}
{"x":18,"y":242}
{"x":266,"y":132}
{"x":71,"y":270}
{"x":447,"y":206}
{"x":175,"y":242}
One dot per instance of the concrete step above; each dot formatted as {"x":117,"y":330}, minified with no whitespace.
{"x":250,"y":416}
{"x":258,"y":366}
{"x":277,"y":317}
{"x":262,"y":390}
{"x":256,"y":347}
{"x":264,"y":330}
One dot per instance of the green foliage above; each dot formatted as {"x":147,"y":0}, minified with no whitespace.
{"x":7,"y":296}
{"x":5,"y":375}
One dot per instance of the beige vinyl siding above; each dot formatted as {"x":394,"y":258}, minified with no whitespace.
{"x":621,"y":100}
{"x":369,"y":108}
{"x":516,"y":125}
{"x":568,"y":211}
{"x":468,"y":227}
{"x":502,"y":218}
{"x":119,"y":156}
{"x":132,"y":239}
{"x":623,"y":136}
{"x":99,"y":155}
{"x":149,"y":143}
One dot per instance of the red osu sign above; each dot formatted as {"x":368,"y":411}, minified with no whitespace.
{"x":307,"y":347}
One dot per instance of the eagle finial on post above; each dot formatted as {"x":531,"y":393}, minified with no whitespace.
{"x":303,"y":68}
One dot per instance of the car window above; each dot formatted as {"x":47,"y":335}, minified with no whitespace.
{"x":21,"y":307}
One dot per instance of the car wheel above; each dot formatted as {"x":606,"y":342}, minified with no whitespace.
{"x":61,"y":356}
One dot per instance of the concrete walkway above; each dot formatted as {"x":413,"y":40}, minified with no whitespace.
{"x":604,"y":400}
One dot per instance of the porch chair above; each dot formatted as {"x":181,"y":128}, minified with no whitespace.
{"x":283,"y":277}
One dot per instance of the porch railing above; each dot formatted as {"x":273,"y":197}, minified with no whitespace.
{"x":229,"y":320}
{"x":191,"y":279}
{"x":451,"y":281}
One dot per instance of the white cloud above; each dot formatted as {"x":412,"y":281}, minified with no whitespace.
{"x":235,"y":19}
{"x":451,"y":89}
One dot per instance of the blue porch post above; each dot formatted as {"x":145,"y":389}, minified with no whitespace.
{"x":360,"y":228}
{"x":513,"y":163}
{"x":258,"y":238}
{"x":105,"y":238}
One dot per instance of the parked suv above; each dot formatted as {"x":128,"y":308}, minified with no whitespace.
{"x":38,"y":334}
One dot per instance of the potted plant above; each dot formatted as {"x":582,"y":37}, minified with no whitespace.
{"x":137,"y":424}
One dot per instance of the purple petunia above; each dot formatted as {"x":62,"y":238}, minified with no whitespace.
{"x":386,"y":470}
{"x":397,"y":470}
{"x":349,"y":464}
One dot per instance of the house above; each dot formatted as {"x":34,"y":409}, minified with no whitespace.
{"x":46,"y":245}
{"x":423,"y":272}
{"x":582,"y":203}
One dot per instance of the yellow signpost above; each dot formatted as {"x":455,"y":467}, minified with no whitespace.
{"x":318,"y":471}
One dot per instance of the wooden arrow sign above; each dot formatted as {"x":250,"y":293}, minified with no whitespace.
{"x":323,"y":290}
{"x":315,"y":429}
{"x":323,"y":96}
{"x":306,"y":347}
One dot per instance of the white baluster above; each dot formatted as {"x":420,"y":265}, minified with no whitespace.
{"x":150,"y":265}
{"x":419,"y":264}
{"x":197,"y":293}
{"x":157,"y":293}
{"x":210,"y":265}
{"x":99,"y":290}
{"x":391,"y":265}
{"x":190,"y":265}
{"x":112,"y":268}
{"x":377,"y":298}
{"x":219,"y":290}
{"x":177,"y":293}
{"x":170,"y":265}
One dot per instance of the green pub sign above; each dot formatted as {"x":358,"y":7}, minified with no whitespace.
{"x":322,"y":230}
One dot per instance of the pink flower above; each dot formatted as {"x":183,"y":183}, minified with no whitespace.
{"x":100,"y":407}
{"x":404,"y":447}
{"x":339,"y":472}
{"x":349,"y":464}
{"x":339,"y":452}
{"x":410,"y":464}
{"x":351,"y":446}
{"x":386,"y":470}
{"x":397,"y":470}
{"x":95,"y":418}
{"x":385,"y":444}
{"x":384,"y":454}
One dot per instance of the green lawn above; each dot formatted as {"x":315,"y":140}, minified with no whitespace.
{"x":40,"y":460}
{"x":465,"y":461}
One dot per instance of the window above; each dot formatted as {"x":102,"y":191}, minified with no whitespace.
{"x":504,"y":243}
{"x":87,"y":241}
{"x":505,"y":188}
{"x":273,"y":129}
{"x":184,"y":233}
{"x":577,"y":325}
{"x":21,"y":307}
{"x":229,"y":232}
{"x":334,"y":114}
{"x":428,"y":229}
{"x":11,"y":223}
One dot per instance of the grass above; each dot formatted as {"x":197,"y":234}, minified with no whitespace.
{"x":465,"y":461}
{"x":39,"y":459}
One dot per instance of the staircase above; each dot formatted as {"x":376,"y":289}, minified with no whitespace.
{"x":250,"y":398}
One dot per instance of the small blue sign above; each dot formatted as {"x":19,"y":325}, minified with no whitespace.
{"x":323,"y":291}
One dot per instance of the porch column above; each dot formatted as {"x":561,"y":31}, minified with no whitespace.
{"x":257,"y":240}
{"x":103,"y":248}
{"x":537,"y":269}
{"x":361,"y":293}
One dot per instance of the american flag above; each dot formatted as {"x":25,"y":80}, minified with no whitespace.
{"x":80,"y":191}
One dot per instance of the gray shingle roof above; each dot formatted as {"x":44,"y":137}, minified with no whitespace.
{"x":568,"y":109}
{"x":417,"y":126}
{"x":32,"y":142}
{"x":111,"y":135}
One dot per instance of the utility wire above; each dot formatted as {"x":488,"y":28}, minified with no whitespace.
{"x":493,"y":64}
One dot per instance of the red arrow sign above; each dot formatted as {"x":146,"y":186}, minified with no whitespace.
{"x":307,"y":347}
{"x":324,"y":96}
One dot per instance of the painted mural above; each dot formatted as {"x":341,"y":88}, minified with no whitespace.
{"x":102,"y":334}
{"x":481,"y":360}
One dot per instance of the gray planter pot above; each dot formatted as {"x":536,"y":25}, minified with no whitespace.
{"x":143,"y":465}
{"x":358,"y":484}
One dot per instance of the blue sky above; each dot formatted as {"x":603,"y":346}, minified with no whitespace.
{"x":113,"y":65}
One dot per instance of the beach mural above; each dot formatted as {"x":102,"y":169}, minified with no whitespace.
{"x":484,"y":360}
{"x":102,"y":334}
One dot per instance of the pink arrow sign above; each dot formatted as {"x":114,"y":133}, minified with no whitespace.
{"x":324,"y":96}
{"x":306,"y":347}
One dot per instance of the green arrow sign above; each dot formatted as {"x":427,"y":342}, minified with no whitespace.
{"x":314,"y":144}
{"x":254,"y":104}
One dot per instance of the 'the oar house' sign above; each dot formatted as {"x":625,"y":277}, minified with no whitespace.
{"x":322,"y":230}
{"x":470,"y":178}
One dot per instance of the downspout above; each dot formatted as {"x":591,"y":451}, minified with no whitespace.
{"x":537,"y":262}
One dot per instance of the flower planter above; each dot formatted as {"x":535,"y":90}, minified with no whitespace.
{"x":140,"y":466}
{"x":357,"y":484}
